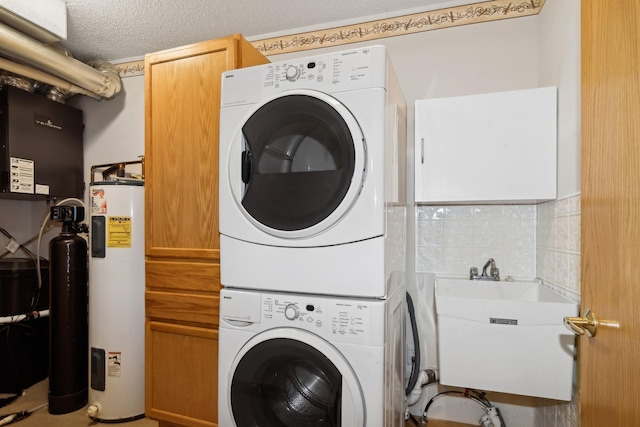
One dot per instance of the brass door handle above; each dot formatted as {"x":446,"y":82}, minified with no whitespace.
{"x":588,"y":324}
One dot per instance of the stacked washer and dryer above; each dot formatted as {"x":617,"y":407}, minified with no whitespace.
{"x":312,"y":223}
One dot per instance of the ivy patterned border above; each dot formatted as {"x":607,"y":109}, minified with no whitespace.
{"x":493,"y":10}
{"x":130,"y":69}
{"x":409,"y":24}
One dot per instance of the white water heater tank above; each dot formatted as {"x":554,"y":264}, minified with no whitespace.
{"x":116,"y":301}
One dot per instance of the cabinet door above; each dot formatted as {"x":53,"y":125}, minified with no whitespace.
{"x":182,"y":104}
{"x":181,"y":177}
{"x":495,"y":147}
{"x":182,"y":374}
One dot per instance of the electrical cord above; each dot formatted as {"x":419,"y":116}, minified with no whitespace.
{"x":28,"y":242}
{"x":22,"y":247}
{"x":19,"y":416}
{"x":36,"y":292}
{"x":476,"y":396}
{"x":444,"y":393}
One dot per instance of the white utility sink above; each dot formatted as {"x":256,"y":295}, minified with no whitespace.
{"x":504,"y":336}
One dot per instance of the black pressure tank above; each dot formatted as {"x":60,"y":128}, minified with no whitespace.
{"x":68,"y":366}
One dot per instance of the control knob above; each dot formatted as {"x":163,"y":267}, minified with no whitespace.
{"x":291,"y":312}
{"x":292,"y":73}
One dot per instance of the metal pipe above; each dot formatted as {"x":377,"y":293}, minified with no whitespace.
{"x":19,"y":47}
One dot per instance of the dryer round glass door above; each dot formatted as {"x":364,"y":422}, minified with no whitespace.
{"x":298,"y":164}
{"x":296,"y":381}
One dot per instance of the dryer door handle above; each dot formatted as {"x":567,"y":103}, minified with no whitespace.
{"x":246,"y":166}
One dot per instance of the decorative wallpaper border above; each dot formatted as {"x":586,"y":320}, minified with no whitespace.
{"x":130,"y":69}
{"x":493,"y":10}
{"x":408,"y":24}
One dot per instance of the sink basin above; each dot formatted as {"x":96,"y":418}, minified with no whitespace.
{"x":530,"y":291}
{"x":504,"y":336}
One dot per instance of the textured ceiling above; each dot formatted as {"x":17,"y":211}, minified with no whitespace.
{"x":123,"y":29}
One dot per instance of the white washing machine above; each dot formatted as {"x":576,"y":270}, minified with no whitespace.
{"x":296,"y":360}
{"x":312,"y":175}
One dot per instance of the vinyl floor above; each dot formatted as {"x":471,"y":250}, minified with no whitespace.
{"x":36,"y":396}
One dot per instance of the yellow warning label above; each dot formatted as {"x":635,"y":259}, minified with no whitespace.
{"x":119,"y":232}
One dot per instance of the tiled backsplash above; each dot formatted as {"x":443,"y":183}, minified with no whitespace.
{"x":526,"y":241}
{"x":558,"y":255}
{"x":558,"y":246}
{"x":451,"y":239}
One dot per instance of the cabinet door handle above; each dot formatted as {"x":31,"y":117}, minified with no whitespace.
{"x":422,"y":150}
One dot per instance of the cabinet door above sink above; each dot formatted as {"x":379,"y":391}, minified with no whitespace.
{"x":496,"y":147}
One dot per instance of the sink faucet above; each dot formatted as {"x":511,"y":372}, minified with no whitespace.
{"x":494,"y":272}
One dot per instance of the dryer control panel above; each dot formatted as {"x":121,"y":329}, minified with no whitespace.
{"x":354,"y":69}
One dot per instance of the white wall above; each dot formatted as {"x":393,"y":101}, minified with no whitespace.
{"x":114,"y":130}
{"x":559,"y":53}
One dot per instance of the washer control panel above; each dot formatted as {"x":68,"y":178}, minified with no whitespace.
{"x":345,"y":320}
{"x":337,"y":319}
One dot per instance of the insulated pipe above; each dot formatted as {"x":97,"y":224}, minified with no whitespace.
{"x":32,"y":73}
{"x":19,"y":47}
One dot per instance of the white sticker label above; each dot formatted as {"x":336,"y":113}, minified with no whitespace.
{"x":114,"y":363}
{"x":98,"y":202}
{"x":22,"y":176}
{"x":42,"y":189}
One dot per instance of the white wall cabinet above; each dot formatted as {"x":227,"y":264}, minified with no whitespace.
{"x":494,"y":148}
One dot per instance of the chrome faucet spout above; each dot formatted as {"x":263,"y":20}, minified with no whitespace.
{"x":494,"y":272}
{"x":491,"y":263}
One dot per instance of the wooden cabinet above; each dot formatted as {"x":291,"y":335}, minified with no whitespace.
{"x":494,"y":147}
{"x":182,"y":244}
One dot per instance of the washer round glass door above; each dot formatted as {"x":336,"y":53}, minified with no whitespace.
{"x":302,"y":164}
{"x":291,"y":378}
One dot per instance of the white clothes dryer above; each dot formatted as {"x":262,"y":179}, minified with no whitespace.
{"x":296,"y":360}
{"x":312,"y":175}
